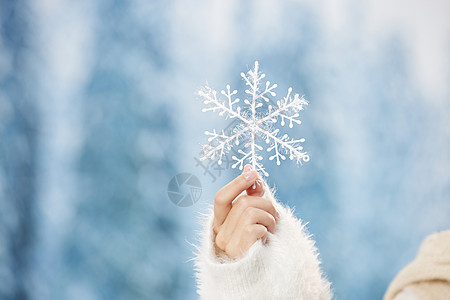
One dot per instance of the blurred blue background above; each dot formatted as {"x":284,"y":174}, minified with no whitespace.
{"x":98,"y":112}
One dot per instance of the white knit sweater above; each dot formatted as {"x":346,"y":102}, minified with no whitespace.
{"x":286,"y":267}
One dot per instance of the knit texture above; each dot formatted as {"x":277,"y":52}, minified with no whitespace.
{"x":286,"y":267}
{"x":428,"y":276}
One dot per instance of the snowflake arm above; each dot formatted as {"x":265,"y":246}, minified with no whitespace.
{"x":210,"y":98}
{"x":287,"y":108}
{"x":291,"y":147}
{"x":254,"y":124}
{"x":220,"y":143}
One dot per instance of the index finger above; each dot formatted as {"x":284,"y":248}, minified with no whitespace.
{"x":224,"y":197}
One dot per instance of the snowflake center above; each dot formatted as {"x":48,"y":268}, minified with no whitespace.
{"x":253,"y":125}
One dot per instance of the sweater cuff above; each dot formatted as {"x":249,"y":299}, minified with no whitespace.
{"x":233,"y":278}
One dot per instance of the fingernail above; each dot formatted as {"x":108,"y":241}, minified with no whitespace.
{"x":247,"y":168}
{"x":250,"y":175}
{"x":278,"y":214}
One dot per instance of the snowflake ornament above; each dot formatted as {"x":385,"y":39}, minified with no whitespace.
{"x":255,"y":122}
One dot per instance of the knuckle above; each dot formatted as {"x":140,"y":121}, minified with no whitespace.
{"x":220,"y":241}
{"x":216,"y":229}
{"x":250,"y":213}
{"x":249,"y":230}
{"x":270,"y":207}
{"x":243,"y":201}
{"x":268,"y":203}
{"x":253,"y":231}
{"x":218,"y":198}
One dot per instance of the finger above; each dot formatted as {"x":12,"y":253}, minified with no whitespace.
{"x":222,"y":240}
{"x":253,"y":215}
{"x":253,"y":233}
{"x":241,"y":204}
{"x":257,"y":189}
{"x":225,"y":196}
{"x":245,"y":238}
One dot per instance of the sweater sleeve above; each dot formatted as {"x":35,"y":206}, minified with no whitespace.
{"x":286,"y":267}
{"x":428,"y":275}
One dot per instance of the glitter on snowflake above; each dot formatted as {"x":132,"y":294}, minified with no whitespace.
{"x":254,"y":123}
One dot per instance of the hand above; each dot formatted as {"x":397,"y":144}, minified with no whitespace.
{"x":239,"y":224}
